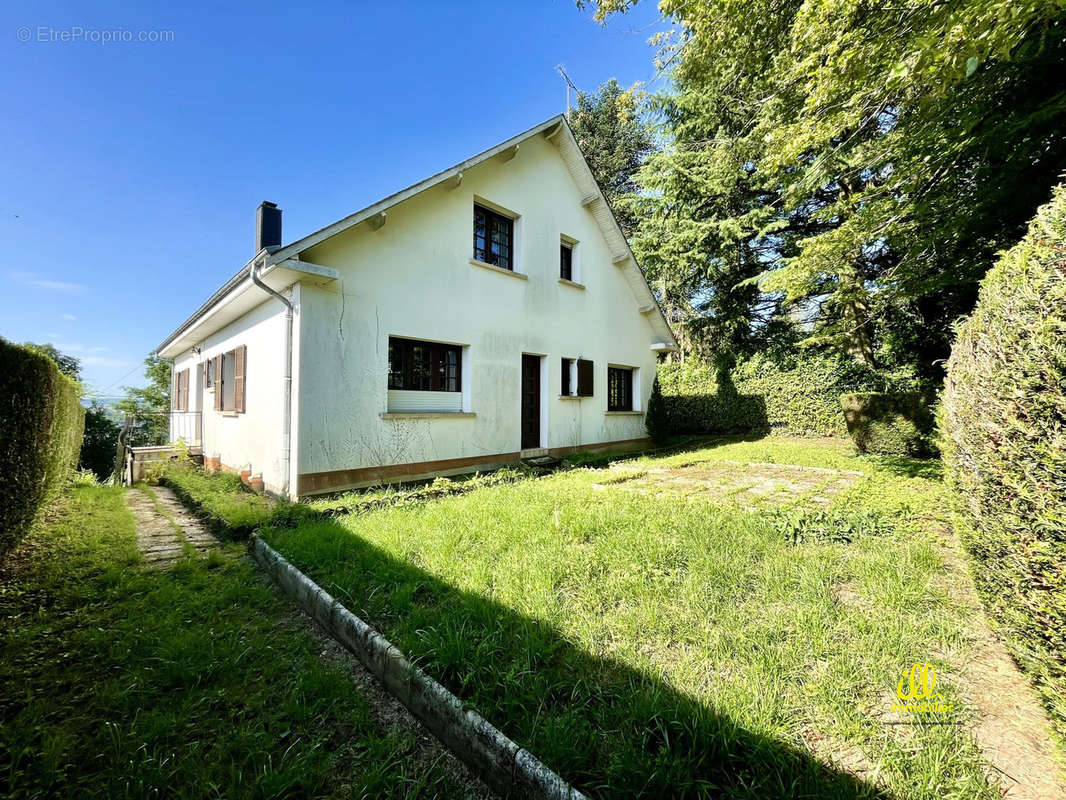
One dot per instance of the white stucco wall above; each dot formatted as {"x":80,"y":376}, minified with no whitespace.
{"x":412,"y":278}
{"x":253,"y":437}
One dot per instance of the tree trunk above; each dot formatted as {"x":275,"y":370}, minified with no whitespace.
{"x":857,"y":317}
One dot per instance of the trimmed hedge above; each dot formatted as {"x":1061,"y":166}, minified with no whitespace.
{"x":41,"y":424}
{"x":799,"y":397}
{"x":1003,"y":436}
{"x":889,"y":424}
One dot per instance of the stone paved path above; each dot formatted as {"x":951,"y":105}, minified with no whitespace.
{"x":167,"y":531}
{"x":748,"y":484}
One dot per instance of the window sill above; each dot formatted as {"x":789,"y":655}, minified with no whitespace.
{"x":573,"y":284}
{"x":230,"y":413}
{"x":624,"y":413}
{"x":570,"y":397}
{"x":484,"y":265}
{"x":426,"y":414}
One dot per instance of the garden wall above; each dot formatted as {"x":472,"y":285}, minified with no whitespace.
{"x":41,"y":424}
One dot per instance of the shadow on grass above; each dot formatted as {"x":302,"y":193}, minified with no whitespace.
{"x":609,"y":729}
{"x":675,"y":446}
{"x":901,"y":466}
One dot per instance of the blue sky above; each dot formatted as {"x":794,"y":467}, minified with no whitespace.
{"x":130,"y":172}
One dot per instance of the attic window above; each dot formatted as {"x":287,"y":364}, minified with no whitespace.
{"x":493,"y":238}
{"x":566,"y":261}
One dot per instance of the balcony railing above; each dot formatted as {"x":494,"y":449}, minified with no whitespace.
{"x":185,"y":426}
{"x":156,"y":428}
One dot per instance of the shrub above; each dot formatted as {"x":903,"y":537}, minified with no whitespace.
{"x":41,"y":422}
{"x":655,"y":420}
{"x":85,"y":477}
{"x":800,"y":396}
{"x":1003,"y":436}
{"x":889,"y":424}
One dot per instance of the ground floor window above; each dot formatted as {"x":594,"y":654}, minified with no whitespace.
{"x":420,"y":366}
{"x":229,"y":394}
{"x":619,"y":389}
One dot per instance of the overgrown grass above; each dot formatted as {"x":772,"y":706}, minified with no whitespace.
{"x":116,"y":681}
{"x":221,"y":499}
{"x":355,"y":502}
{"x":672,"y":646}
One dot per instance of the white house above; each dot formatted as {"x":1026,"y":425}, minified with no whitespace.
{"x":489,"y":313}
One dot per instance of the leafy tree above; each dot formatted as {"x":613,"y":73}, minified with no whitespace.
{"x":99,"y":443}
{"x":615,"y":137}
{"x":864,"y":160}
{"x":150,"y":405}
{"x":68,"y":365}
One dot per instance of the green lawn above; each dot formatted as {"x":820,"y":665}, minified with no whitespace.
{"x":681,"y":642}
{"x":118,"y":681}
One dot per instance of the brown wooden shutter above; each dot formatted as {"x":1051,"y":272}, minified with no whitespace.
{"x":239,"y":358}
{"x":584,"y":378}
{"x":216,"y":365}
{"x":181,"y":391}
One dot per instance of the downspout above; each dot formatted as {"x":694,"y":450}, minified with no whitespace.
{"x":286,"y":416}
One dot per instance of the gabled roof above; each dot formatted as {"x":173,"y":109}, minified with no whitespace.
{"x":284,"y":267}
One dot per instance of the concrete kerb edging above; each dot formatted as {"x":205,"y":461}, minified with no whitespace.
{"x":500,"y":762}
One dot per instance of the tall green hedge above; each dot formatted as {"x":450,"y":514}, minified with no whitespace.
{"x":800,"y":396}
{"x":41,"y":424}
{"x":1003,"y":437}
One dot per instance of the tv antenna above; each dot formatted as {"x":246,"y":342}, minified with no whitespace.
{"x":568,"y":85}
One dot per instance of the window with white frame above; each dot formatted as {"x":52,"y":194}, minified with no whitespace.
{"x":620,"y":388}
